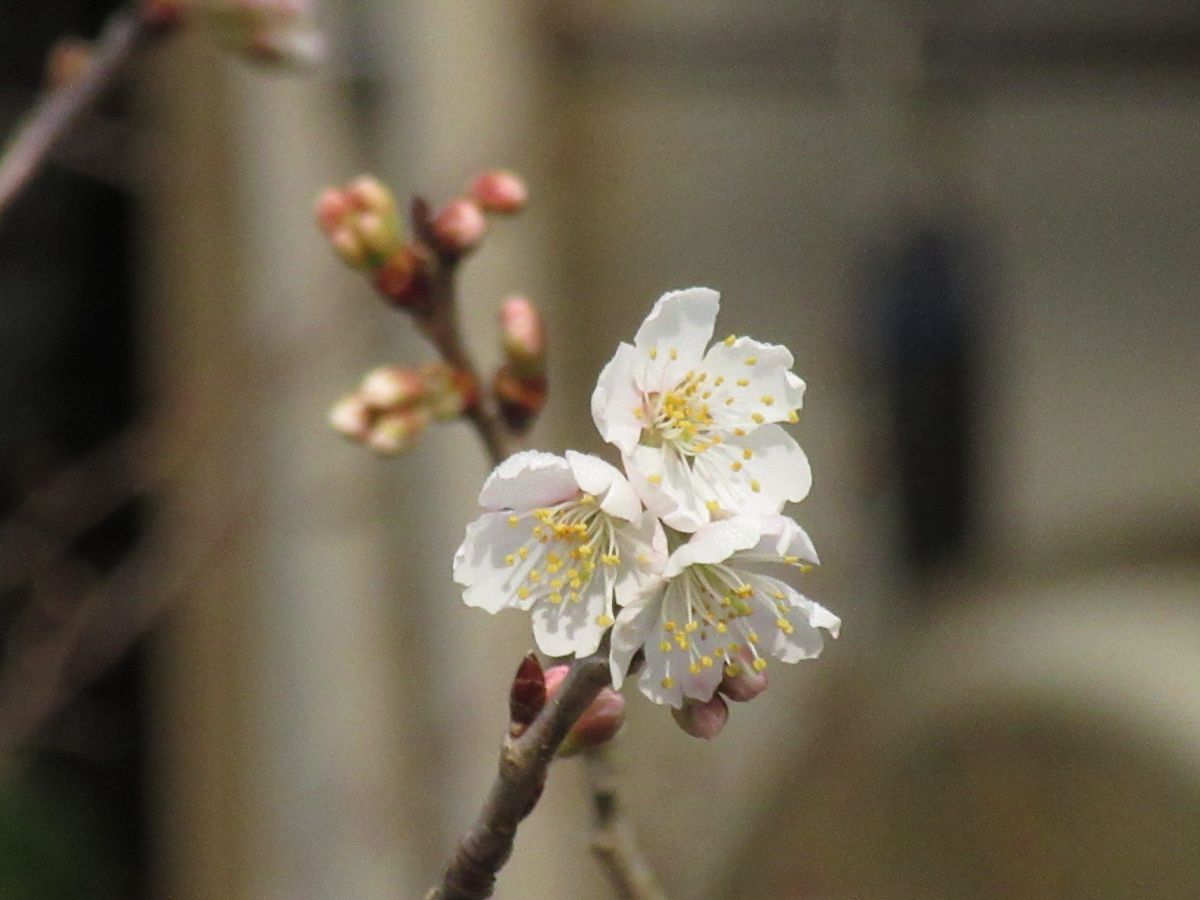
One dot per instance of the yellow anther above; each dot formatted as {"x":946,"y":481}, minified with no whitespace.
{"x":668,"y":682}
{"x":759,"y":664}
{"x":674,"y":354}
{"x":665,"y":646}
{"x":523,"y":592}
{"x":585,"y":550}
{"x":535,"y":576}
{"x":653,"y":352}
{"x":722,"y":628}
{"x":604,"y":621}
{"x":514,"y":521}
{"x":538,"y":531}
{"x":714,"y":506}
{"x":747,"y":453}
{"x":805,"y":569}
{"x":575,"y":583}
{"x":669,"y":625}
{"x":706,"y":395}
{"x":754,"y":485}
{"x":555,"y":598}
{"x":694,"y":668}
{"x":779,"y":595}
{"x":736,"y":466}
{"x":767,"y":400}
{"x":655,"y":480}
{"x":510,"y":560}
{"x":740,"y":432}
{"x":557,"y":583}
{"x":743,"y":382}
{"x":744,"y":591}
{"x":752,"y":637}
{"x":793,"y":417}
{"x":729,"y":401}
{"x":706,"y":661}
{"x":758,"y":418}
{"x":587,"y":499}
{"x":690,"y":627}
{"x":523,"y":552}
{"x":718,"y":381}
{"x":733,"y":670}
{"x":751,"y":360}
{"x":574,"y":597}
{"x":784,"y":625}
{"x":729,"y":341}
{"x":637,"y":412}
{"x":791,"y":560}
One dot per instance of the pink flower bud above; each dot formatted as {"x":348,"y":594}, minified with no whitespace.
{"x":449,"y":392}
{"x":702,"y":719}
{"x":524,"y":336}
{"x":367,"y":193}
{"x":331,"y":209}
{"x":527,"y":695}
{"x":391,"y":386}
{"x":360,"y":221}
{"x":600,"y":722}
{"x":741,"y":683}
{"x":395,"y":432}
{"x":349,"y":246}
{"x":500,"y":192}
{"x":459,"y":227}
{"x":351,"y":417}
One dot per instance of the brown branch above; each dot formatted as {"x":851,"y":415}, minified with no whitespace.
{"x":613,"y":840}
{"x":125,"y":33}
{"x":485,"y":848}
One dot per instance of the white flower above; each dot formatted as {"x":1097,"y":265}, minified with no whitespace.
{"x":564,"y":538}
{"x":696,"y":429}
{"x":717,"y":608}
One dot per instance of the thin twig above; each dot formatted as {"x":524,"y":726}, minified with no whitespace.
{"x":524,"y":761}
{"x":613,"y":840}
{"x":51,"y":119}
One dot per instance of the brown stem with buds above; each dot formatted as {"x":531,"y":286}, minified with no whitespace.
{"x":125,"y":33}
{"x":524,"y":762}
{"x":613,"y":841}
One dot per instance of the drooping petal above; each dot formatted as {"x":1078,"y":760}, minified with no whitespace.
{"x":527,"y":480}
{"x":672,"y":339}
{"x":634,"y":627}
{"x":782,"y":537}
{"x":598,"y":478}
{"x":617,"y":401}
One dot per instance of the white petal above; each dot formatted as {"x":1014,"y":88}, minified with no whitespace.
{"x":527,"y":480}
{"x":672,"y":339}
{"x":479,"y":564}
{"x":616,"y":399}
{"x":805,"y":640}
{"x":658,"y":667}
{"x":635,"y":625}
{"x":714,"y":543}
{"x":598,"y":478}
{"x":674,"y":497}
{"x":768,"y":458}
{"x":751,"y":384}
{"x":569,"y":628}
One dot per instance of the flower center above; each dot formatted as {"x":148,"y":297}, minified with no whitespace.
{"x":681,"y":417}
{"x":570,"y":541}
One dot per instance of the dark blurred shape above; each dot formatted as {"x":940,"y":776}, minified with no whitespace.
{"x":71,"y":813}
{"x":924,"y":303}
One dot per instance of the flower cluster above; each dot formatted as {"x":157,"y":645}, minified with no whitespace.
{"x":678,"y":559}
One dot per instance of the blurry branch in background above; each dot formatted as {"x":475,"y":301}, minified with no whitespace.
{"x":80,"y":620}
{"x":389,"y":411}
{"x":61,"y":106}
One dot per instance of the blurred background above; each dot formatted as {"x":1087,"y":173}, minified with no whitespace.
{"x":234,"y":664}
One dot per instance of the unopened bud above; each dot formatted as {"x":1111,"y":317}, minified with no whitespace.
{"x":527,"y":695}
{"x":162,"y":14}
{"x":404,"y":277}
{"x":741,"y":683}
{"x":394,"y":432}
{"x":351,"y":417}
{"x":524,"y":335}
{"x":459,"y":227}
{"x":600,"y":722}
{"x":702,"y":719}
{"x":360,"y":221}
{"x":500,"y":192}
{"x":391,"y":386}
{"x":520,"y":399}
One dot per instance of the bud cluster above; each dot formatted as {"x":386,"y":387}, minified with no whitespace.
{"x":532,"y":688}
{"x":393,"y":405}
{"x":460,"y":226}
{"x":520,"y":384}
